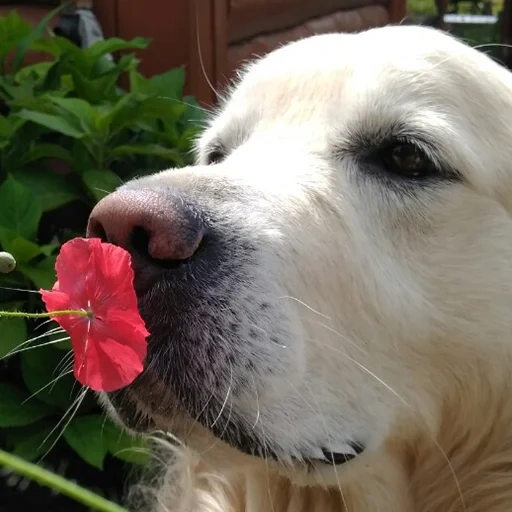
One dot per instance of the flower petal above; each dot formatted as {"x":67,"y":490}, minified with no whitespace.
{"x":111,"y":284}
{"x":58,"y":301}
{"x":73,"y":264}
{"x":108,"y":365}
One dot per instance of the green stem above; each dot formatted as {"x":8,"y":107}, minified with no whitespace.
{"x":21,"y":314}
{"x":58,"y":483}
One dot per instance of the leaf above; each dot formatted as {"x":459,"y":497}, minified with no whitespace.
{"x":149,"y":150}
{"x":42,"y":274}
{"x":133,"y":449}
{"x":33,"y":441}
{"x":194,"y":114}
{"x":135,"y":108}
{"x":5,"y":127}
{"x":168,"y":85}
{"x":94,"y":90}
{"x":20,"y":210}
{"x":15,"y":412}
{"x":77,"y":112}
{"x":41,"y":369}
{"x":52,"y":122}
{"x":84,"y":434}
{"x":25,"y":44}
{"x":23,"y":250}
{"x":101,"y":183}
{"x":12,"y":29}
{"x":40,"y":151}
{"x":36,"y":72}
{"x":51,"y":189}
{"x":114,"y":44}
{"x":13,"y":332}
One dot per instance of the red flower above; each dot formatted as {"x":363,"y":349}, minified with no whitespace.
{"x":109,"y":342}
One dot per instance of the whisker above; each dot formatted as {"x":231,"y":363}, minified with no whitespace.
{"x":52,"y":382}
{"x":53,"y":342}
{"x":18,"y":289}
{"x":71,"y":411}
{"x":66,"y":369}
{"x":305,"y":305}
{"x":46,"y":322}
{"x":200,"y":54}
{"x":63,"y":362}
{"x":27,"y":342}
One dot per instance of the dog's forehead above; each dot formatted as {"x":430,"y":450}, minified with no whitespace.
{"x":323,"y":65}
{"x":330,"y":75}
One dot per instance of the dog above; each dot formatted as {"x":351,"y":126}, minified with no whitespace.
{"x":328,"y":290}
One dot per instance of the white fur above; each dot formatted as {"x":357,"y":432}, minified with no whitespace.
{"x":393,"y":299}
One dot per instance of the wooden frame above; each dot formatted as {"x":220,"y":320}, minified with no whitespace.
{"x":191,"y":32}
{"x":183,"y":32}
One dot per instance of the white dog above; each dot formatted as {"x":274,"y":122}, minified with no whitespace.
{"x":329,"y":289}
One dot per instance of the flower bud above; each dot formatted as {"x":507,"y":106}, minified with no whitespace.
{"x":7,"y":262}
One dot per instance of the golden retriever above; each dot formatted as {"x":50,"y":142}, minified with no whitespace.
{"x":329,"y":289}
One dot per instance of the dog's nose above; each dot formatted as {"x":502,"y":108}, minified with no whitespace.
{"x":155,"y":224}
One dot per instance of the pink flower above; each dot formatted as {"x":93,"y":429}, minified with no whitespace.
{"x":108,"y":335}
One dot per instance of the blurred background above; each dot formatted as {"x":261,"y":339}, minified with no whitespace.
{"x":93,"y":93}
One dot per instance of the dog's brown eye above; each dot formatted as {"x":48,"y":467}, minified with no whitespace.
{"x":407,"y":160}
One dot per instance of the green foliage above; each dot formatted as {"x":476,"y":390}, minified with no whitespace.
{"x":69,"y":134}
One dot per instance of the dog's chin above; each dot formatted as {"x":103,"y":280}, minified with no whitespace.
{"x":145,"y":408}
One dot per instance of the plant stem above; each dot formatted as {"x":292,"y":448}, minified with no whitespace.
{"x":22,"y":314}
{"x":58,"y":483}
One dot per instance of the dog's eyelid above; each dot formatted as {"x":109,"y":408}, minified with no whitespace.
{"x":366,"y":146}
{"x":214,"y":153}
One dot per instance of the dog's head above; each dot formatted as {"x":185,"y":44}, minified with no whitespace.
{"x":339,"y":256}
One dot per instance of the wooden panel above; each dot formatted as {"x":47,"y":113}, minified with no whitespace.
{"x":106,"y":12}
{"x":397,"y":10}
{"x":208,"y":48}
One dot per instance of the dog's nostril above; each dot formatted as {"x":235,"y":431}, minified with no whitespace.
{"x":96,"y":230}
{"x":159,"y":226}
{"x":140,"y":241}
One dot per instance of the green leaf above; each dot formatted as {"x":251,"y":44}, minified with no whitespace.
{"x":13,"y":332}
{"x":5,"y":127}
{"x":36,"y":72}
{"x":23,"y":250}
{"x":168,"y":85}
{"x":77,"y":112}
{"x":51,"y":189}
{"x":15,"y":412}
{"x":40,"y":151}
{"x":42,"y":274}
{"x":133,"y":449}
{"x":114,"y":44}
{"x":12,"y":29}
{"x":41,"y":370}
{"x":149,"y":150}
{"x":61,"y":48}
{"x":52,"y":122}
{"x":33,"y":441}
{"x":20,"y":210}
{"x":84,"y":434}
{"x":101,"y":183}
{"x":25,"y":44}
{"x":94,"y":90}
{"x":136,"y":108}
